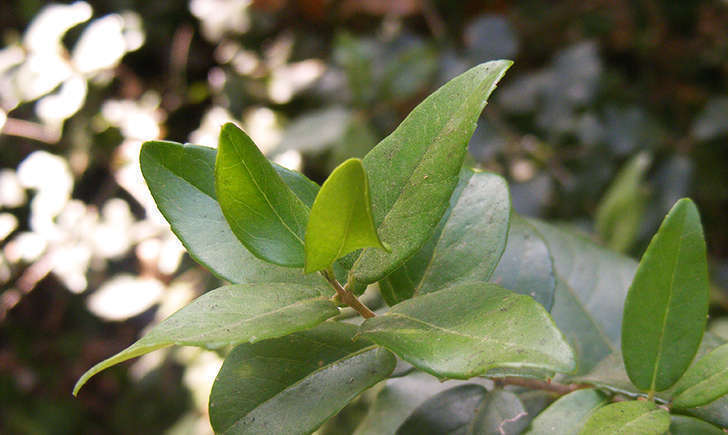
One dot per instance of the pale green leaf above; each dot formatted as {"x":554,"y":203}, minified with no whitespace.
{"x":293,"y":384}
{"x":414,"y":171}
{"x":465,"y":330}
{"x":628,"y":418}
{"x":181,"y":179}
{"x":667,"y":305}
{"x":231,"y":315}
{"x":263,"y":212}
{"x":704,"y":381}
{"x":466,"y":245}
{"x":341,"y":219}
{"x":568,"y":415}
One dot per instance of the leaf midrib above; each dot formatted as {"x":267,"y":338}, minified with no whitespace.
{"x":262,"y":192}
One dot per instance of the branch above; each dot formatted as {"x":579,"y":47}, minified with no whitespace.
{"x":346,"y":296}
{"x":536,"y":384}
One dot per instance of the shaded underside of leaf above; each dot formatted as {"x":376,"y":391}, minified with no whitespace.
{"x":181,"y":180}
{"x":666,"y":308}
{"x":465,"y":330}
{"x":295,"y":383}
{"x":684,"y":425}
{"x":447,"y":412}
{"x":341,"y":220}
{"x":704,"y":381}
{"x":414,"y":171}
{"x":569,"y":413}
{"x":501,"y":412}
{"x":231,"y":315}
{"x":263,"y":212}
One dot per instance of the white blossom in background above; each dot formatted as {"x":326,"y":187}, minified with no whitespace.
{"x":219,"y":17}
{"x":12,"y":194}
{"x":288,"y":80}
{"x":263,"y":125}
{"x":8,"y":224}
{"x":208,"y":132}
{"x":125,"y":296}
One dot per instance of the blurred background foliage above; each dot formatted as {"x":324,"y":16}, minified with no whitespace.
{"x":612,"y":111}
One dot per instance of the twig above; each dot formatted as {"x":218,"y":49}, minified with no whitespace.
{"x":536,"y":384}
{"x":346,"y":296}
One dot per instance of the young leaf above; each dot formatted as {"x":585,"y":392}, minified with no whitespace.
{"x":341,"y":218}
{"x":181,"y":179}
{"x":465,"y":330}
{"x":295,"y":383}
{"x":466,"y":245}
{"x":634,"y":417}
{"x":620,"y":211}
{"x":525,"y":266}
{"x":414,"y":171}
{"x":448,"y":412}
{"x":684,"y":425}
{"x":667,"y":305}
{"x":500,"y":413}
{"x":568,"y":415}
{"x":591,"y":284}
{"x":263,"y":213}
{"x":704,"y":381}
{"x":231,"y":315}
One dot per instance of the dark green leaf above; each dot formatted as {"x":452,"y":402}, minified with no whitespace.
{"x":465,"y":330}
{"x":181,"y":179}
{"x":684,"y":425}
{"x":341,"y":218}
{"x":466,"y":245}
{"x":620,"y":211}
{"x":667,"y":305}
{"x":568,"y":415}
{"x":414,"y":171}
{"x":448,"y":412}
{"x":526,"y":265}
{"x":500,"y":413}
{"x":592,"y":283}
{"x":231,"y":315}
{"x":263,"y":212}
{"x":704,"y":381}
{"x":295,"y":383}
{"x":634,"y":417}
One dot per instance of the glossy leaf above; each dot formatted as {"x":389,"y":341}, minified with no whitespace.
{"x":568,"y":415}
{"x":466,"y":245}
{"x":526,"y":265}
{"x":465,"y":330}
{"x":414,"y":170}
{"x":448,"y":412}
{"x":684,"y":425}
{"x":667,"y":305}
{"x":341,"y":218}
{"x":633,"y":417}
{"x":620,"y":211}
{"x":500,"y":413}
{"x":231,"y":315}
{"x":704,"y":381}
{"x":263,"y":212}
{"x":398,"y":398}
{"x":294,"y":384}
{"x":592,"y":283}
{"x":181,"y":179}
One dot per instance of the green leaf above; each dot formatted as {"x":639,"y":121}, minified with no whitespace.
{"x":526,"y":265}
{"x":398,"y":399}
{"x":592,"y":283}
{"x":500,"y":413}
{"x":568,"y":415}
{"x":181,"y":179}
{"x":704,"y":381}
{"x":684,"y":425}
{"x":295,"y":383}
{"x":667,"y":305}
{"x":414,"y":170}
{"x":620,"y":211}
{"x":263,"y":213}
{"x":633,"y":417}
{"x":465,"y":330}
{"x":231,"y":315}
{"x":341,"y":218}
{"x":466,"y":245}
{"x":448,"y":412}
